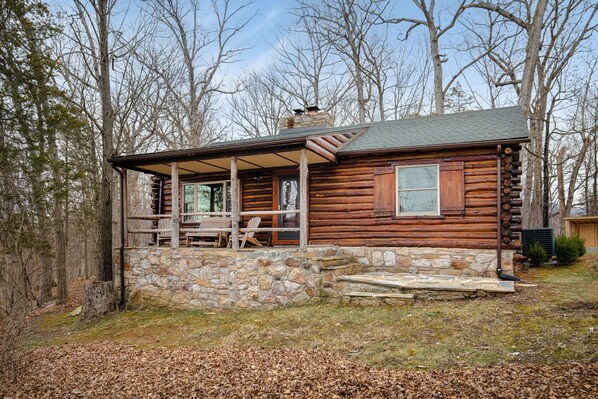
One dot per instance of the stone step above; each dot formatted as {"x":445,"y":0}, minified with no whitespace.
{"x":327,"y":261}
{"x":404,"y":281}
{"x":379,"y":295}
{"x":331,"y":274}
{"x":375,"y":299}
{"x":351,"y":268}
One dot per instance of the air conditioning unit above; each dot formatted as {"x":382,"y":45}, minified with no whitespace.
{"x":544,"y":237}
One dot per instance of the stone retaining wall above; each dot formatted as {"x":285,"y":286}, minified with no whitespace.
{"x":448,"y":261}
{"x":207,"y":278}
{"x":195,"y":278}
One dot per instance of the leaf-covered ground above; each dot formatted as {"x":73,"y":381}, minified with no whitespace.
{"x":540,"y":342}
{"x":109,"y":370}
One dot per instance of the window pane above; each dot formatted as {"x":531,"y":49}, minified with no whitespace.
{"x":188,"y":208}
{"x":188,"y":205}
{"x":418,"y":177}
{"x":425,"y":201}
{"x":228,"y":197}
{"x":289,"y":200}
{"x":203,"y":198}
{"x":188,"y":189}
{"x":217,"y":199}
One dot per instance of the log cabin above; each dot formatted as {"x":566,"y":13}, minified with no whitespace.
{"x":436,"y":195}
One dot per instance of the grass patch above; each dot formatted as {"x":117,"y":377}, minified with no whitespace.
{"x":547,"y":324}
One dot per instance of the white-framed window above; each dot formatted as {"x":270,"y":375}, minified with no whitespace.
{"x":417,"y":190}
{"x":205,"y":197}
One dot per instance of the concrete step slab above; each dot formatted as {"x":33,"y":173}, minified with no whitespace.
{"x":432,"y":282}
{"x":382,"y":295}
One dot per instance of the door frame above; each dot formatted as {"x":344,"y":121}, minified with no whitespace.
{"x":275,"y":184}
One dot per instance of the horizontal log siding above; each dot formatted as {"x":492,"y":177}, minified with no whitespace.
{"x":256,"y":195}
{"x":342,"y":209}
{"x":341,"y":205}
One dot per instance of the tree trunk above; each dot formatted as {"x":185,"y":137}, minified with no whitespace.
{"x":361,"y":101}
{"x":105,"y":197}
{"x":98,"y":300}
{"x":532,"y":53}
{"x":560,"y":158}
{"x":533,"y":177}
{"x":437,"y":64}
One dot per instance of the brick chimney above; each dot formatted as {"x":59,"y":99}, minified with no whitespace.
{"x":309,"y":117}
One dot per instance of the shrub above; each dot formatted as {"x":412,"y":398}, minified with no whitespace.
{"x":567,"y":250}
{"x":581,"y":245}
{"x":536,"y":254}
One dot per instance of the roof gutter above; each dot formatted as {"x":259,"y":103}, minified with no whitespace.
{"x":499,"y":271}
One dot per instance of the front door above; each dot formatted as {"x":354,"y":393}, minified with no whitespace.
{"x":287,"y":193}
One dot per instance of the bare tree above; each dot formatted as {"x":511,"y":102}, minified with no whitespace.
{"x":306,"y":67}
{"x":580,"y":136}
{"x":348,"y":26}
{"x":556,"y":31}
{"x":90,"y":35}
{"x":187,"y":56}
{"x":409,"y":88}
{"x":432,"y":22}
{"x":256,"y":110}
{"x":532,"y":23}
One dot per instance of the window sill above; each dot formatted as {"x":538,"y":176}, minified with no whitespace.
{"x":418,"y":217}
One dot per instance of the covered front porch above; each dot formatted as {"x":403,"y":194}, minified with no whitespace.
{"x":215,"y":192}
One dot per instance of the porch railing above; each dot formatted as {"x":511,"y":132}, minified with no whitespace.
{"x":213,"y":230}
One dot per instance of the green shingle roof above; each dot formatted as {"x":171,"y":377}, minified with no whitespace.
{"x":504,"y":125}
{"x":499,"y":124}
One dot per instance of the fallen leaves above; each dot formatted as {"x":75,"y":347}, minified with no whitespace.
{"x":121,"y":371}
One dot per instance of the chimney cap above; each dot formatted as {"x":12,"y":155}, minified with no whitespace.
{"x":313,"y":109}
{"x":298,"y":111}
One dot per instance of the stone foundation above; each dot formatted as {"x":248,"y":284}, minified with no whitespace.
{"x":188,"y":278}
{"x":448,"y":261}
{"x":195,"y":278}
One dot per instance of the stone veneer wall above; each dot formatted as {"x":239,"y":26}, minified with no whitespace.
{"x":187,"y":278}
{"x":423,"y":260}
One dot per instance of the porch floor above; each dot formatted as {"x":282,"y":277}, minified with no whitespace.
{"x":409,"y":281}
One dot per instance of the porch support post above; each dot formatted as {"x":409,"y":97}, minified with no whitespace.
{"x":174,"y":235}
{"x":125,"y":205}
{"x":303,"y":173}
{"x":234,"y":194}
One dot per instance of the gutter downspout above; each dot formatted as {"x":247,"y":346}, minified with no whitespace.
{"x":122,"y":237}
{"x":499,"y":272}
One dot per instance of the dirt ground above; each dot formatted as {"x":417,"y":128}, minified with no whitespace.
{"x":109,"y":370}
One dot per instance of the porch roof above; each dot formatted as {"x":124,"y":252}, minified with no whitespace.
{"x":259,"y":153}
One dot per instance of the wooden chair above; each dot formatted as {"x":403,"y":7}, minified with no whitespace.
{"x":252,"y":225}
{"x":214,"y":238}
{"x":164,"y":224}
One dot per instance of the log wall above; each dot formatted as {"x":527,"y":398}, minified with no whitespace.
{"x":341,"y":207}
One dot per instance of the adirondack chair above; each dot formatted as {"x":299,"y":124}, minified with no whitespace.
{"x":209,"y":238}
{"x":164,"y":224}
{"x":249,"y":232}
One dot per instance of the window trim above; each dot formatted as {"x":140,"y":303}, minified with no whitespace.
{"x":398,"y":197}
{"x":225,"y":183}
